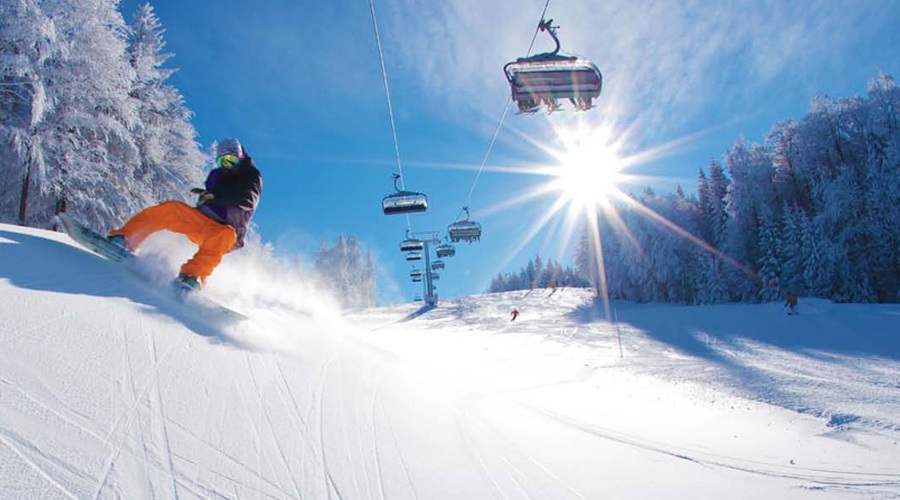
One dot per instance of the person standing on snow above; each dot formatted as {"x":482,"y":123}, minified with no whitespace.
{"x":218,"y":222}
{"x":514,"y":314}
{"x":791,"y":303}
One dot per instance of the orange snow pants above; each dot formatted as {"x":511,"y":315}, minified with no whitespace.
{"x":214,"y":239}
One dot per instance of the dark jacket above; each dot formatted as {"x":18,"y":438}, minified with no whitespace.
{"x":236,"y":193}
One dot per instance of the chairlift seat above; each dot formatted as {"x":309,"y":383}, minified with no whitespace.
{"x":413,"y":256}
{"x":465,"y":230}
{"x":438,"y":264}
{"x":404,"y":202}
{"x":412,"y":245}
{"x":568,"y":78}
{"x":446,"y":250}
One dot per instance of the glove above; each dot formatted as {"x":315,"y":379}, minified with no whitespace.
{"x":202,"y":195}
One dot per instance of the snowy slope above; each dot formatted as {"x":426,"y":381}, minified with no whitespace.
{"x":108,"y":389}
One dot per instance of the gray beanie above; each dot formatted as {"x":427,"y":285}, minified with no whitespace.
{"x":229,"y":146}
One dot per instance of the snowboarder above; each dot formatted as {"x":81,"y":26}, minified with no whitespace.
{"x":513,"y":315}
{"x":217,"y":223}
{"x":791,"y":304}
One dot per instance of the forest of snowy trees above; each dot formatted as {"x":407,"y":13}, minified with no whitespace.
{"x":537,"y":274}
{"x":815,"y":210}
{"x":87,"y":121}
{"x":342,"y":270}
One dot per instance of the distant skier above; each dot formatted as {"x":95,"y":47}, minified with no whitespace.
{"x":217,"y":223}
{"x":514,"y":314}
{"x":791,"y":304}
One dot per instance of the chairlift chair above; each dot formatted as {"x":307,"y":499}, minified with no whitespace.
{"x":544,"y":78}
{"x":435,"y":277}
{"x":464,"y":230}
{"x":415,"y":273}
{"x":445,"y":250}
{"x":412,"y":245}
{"x":438,"y":264}
{"x":413,"y":256}
{"x":417,"y":279}
{"x":403,"y":202}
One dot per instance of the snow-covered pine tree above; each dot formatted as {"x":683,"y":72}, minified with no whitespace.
{"x":793,"y":252}
{"x":496,"y":283}
{"x":750,"y":194}
{"x":688,"y":218}
{"x":341,"y":270}
{"x":586,"y":256}
{"x":816,"y":269}
{"x":716,"y":211}
{"x":704,"y":222}
{"x":28,"y":40}
{"x":369,"y":286}
{"x":86,"y":140}
{"x":529,"y":274}
{"x":711,"y":288}
{"x":354,"y":281}
{"x":770,"y":258}
{"x":170,"y":162}
{"x":538,"y":272}
{"x":783,"y":151}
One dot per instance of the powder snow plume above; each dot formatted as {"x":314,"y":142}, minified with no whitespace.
{"x":275,"y":293}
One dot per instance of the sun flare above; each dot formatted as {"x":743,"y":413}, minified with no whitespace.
{"x":589,"y":168}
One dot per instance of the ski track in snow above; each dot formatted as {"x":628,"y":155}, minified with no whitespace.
{"x":128,"y":417}
{"x":818,"y":476}
{"x":128,"y":375}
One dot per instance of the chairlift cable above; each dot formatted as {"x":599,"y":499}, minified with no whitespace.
{"x":390,"y":106}
{"x":490,"y":148}
{"x":538,"y":29}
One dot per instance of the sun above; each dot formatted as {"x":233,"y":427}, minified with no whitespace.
{"x":590,"y":167}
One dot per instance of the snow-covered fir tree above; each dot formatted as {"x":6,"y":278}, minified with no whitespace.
{"x":85,"y":136}
{"x":169,"y":161}
{"x":28,"y":40}
{"x":770,"y":259}
{"x":793,"y":249}
{"x":343,"y":272}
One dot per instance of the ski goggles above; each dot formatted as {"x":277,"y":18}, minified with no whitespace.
{"x":228,"y":160}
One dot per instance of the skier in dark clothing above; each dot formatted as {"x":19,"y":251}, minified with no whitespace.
{"x":791,"y":303}
{"x":514,"y":314}
{"x":218,"y":222}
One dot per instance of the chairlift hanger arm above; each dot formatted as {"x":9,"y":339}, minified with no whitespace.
{"x":549,"y":28}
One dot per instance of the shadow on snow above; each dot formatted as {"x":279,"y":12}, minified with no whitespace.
{"x":48,"y":265}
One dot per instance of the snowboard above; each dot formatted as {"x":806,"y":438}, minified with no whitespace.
{"x":99,"y":244}
{"x":92,"y":240}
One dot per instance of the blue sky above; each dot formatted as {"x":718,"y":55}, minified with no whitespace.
{"x":299,"y":83}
